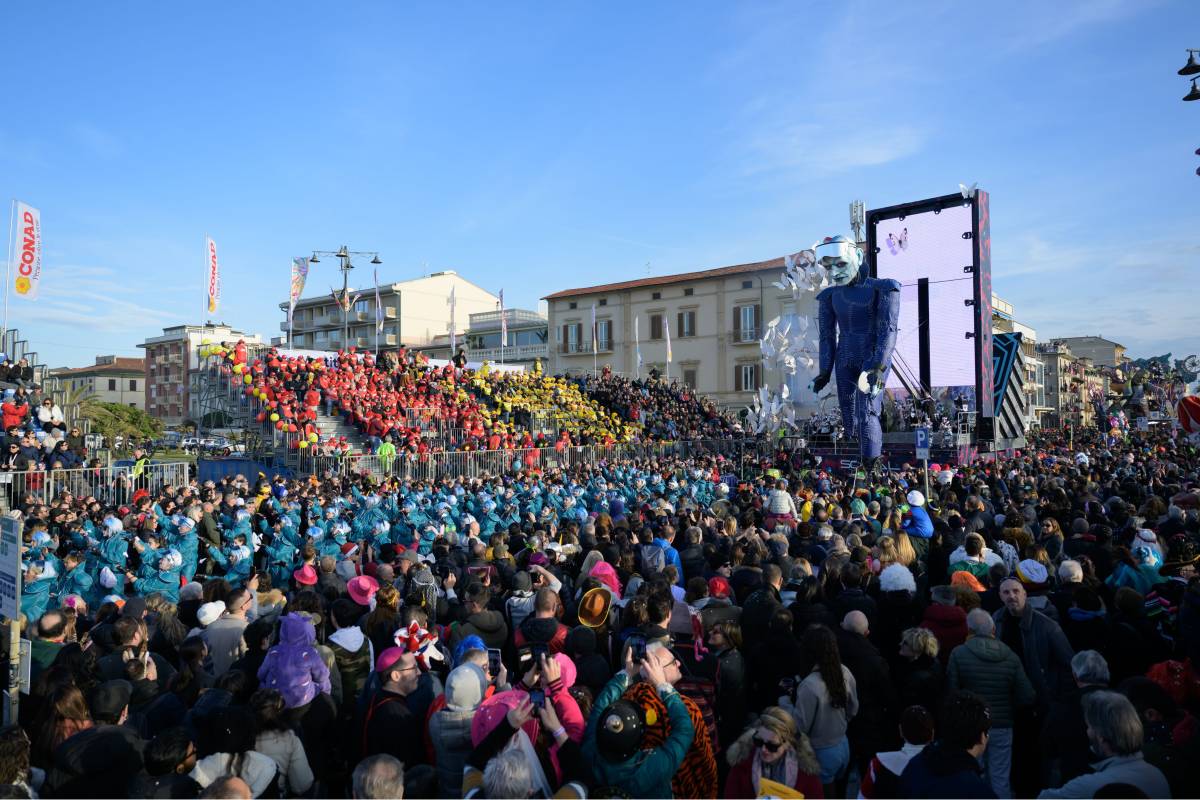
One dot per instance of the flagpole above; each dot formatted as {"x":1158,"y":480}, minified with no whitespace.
{"x":8,"y":259}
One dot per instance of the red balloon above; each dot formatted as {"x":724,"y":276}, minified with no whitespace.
{"x":1189,"y":413}
{"x":262,"y":416}
{"x":279,"y":425}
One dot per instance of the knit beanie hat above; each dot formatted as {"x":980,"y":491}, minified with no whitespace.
{"x":465,"y":687}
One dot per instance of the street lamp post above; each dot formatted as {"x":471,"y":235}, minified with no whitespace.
{"x":345,"y":264}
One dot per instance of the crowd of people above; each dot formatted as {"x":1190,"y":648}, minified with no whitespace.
{"x":402,"y":405}
{"x":665,"y":410}
{"x":637,"y":628}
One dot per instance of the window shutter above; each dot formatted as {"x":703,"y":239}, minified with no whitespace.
{"x":679,"y":325}
{"x":757,"y":318}
{"x":737,"y":378}
{"x":737,"y":321}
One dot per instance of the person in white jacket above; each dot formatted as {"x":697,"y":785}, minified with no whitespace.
{"x":277,"y":740}
{"x":51,"y":416}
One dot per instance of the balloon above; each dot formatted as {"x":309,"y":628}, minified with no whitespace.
{"x":262,"y":416}
{"x":1188,"y":409}
{"x":278,"y":425}
{"x":312,"y":437}
{"x":291,"y":428}
{"x":247,"y":379}
{"x":302,"y":444}
{"x":274,"y":418}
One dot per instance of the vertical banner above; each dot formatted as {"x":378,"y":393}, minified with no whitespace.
{"x":212,"y":274}
{"x":29,"y":251}
{"x":299,"y":276}
{"x":667,"y":330}
{"x":503,"y":323}
{"x":637,"y":345}
{"x":453,"y":333}
{"x":378,"y":311}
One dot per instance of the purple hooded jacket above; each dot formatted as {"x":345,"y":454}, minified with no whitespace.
{"x":294,"y":667}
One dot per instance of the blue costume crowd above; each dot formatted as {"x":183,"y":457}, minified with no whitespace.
{"x":692,"y":627}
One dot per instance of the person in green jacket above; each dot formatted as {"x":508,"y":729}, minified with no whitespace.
{"x":987,"y":666}
{"x":612,"y":742}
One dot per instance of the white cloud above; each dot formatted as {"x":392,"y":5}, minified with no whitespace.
{"x":817,"y":149}
{"x":1043,"y":23}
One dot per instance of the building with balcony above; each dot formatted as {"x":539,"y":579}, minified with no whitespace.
{"x":172,"y":360}
{"x":715,"y":316}
{"x":1073,"y":386}
{"x":112,"y":379}
{"x":415,"y":313}
{"x":526,"y":343}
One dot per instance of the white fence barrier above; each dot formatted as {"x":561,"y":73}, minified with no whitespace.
{"x":110,"y":485}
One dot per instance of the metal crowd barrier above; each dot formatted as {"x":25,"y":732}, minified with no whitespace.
{"x":473,"y":463}
{"x":109,"y":485}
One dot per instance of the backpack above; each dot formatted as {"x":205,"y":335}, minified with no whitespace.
{"x":653,"y":559}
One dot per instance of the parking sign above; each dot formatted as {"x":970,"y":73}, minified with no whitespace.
{"x":922,"y":443}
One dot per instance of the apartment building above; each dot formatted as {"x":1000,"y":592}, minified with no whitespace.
{"x":172,"y":360}
{"x":1102,"y":352}
{"x":415,"y":313}
{"x":714,"y":318}
{"x":112,"y":379}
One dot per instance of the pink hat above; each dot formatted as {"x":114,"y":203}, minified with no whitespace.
{"x":604,"y":572}
{"x":492,"y":711}
{"x":387,"y":659}
{"x":305,"y":576}
{"x":362,"y":588}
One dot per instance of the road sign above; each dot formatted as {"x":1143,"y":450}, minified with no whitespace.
{"x":922,"y":443}
{"x":10,"y":567}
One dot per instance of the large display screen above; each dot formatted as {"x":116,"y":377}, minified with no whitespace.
{"x":930,"y":245}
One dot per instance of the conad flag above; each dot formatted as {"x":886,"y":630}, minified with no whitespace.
{"x":214,"y":274}
{"x":29,"y":251}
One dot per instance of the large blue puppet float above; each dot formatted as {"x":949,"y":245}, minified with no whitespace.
{"x":856,"y":326}
{"x":856,"y":321}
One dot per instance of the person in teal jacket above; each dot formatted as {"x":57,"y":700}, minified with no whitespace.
{"x":163,"y":579}
{"x":35,"y":590}
{"x":188,"y":544}
{"x":75,"y":580}
{"x":646,"y":772}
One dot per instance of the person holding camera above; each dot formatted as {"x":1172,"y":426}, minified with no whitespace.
{"x":625,"y":741}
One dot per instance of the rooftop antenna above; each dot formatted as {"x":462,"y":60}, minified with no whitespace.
{"x":858,"y":220}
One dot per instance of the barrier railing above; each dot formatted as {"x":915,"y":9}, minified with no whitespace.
{"x":110,"y":485}
{"x":472,"y":463}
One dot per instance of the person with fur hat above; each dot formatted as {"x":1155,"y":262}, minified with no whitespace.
{"x":772,"y":749}
{"x":616,"y":743}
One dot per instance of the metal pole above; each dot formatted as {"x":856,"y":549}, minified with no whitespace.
{"x":14,"y":668}
{"x":925,"y":465}
{"x":345,"y":306}
{"x":8,"y":259}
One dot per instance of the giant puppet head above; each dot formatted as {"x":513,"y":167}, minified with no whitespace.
{"x":840,"y":257}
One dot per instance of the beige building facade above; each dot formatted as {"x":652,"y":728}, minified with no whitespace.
{"x":715,"y":319}
{"x":112,"y":379}
{"x":415,"y":313}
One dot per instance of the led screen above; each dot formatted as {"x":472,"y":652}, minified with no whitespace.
{"x":931,"y":245}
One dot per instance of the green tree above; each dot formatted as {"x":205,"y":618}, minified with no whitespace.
{"x":111,"y":420}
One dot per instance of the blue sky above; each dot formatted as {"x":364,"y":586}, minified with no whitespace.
{"x":538,"y":146}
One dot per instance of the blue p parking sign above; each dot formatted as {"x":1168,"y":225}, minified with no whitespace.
{"x":922,"y":443}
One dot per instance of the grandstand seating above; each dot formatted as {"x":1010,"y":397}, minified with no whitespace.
{"x":316,"y":401}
